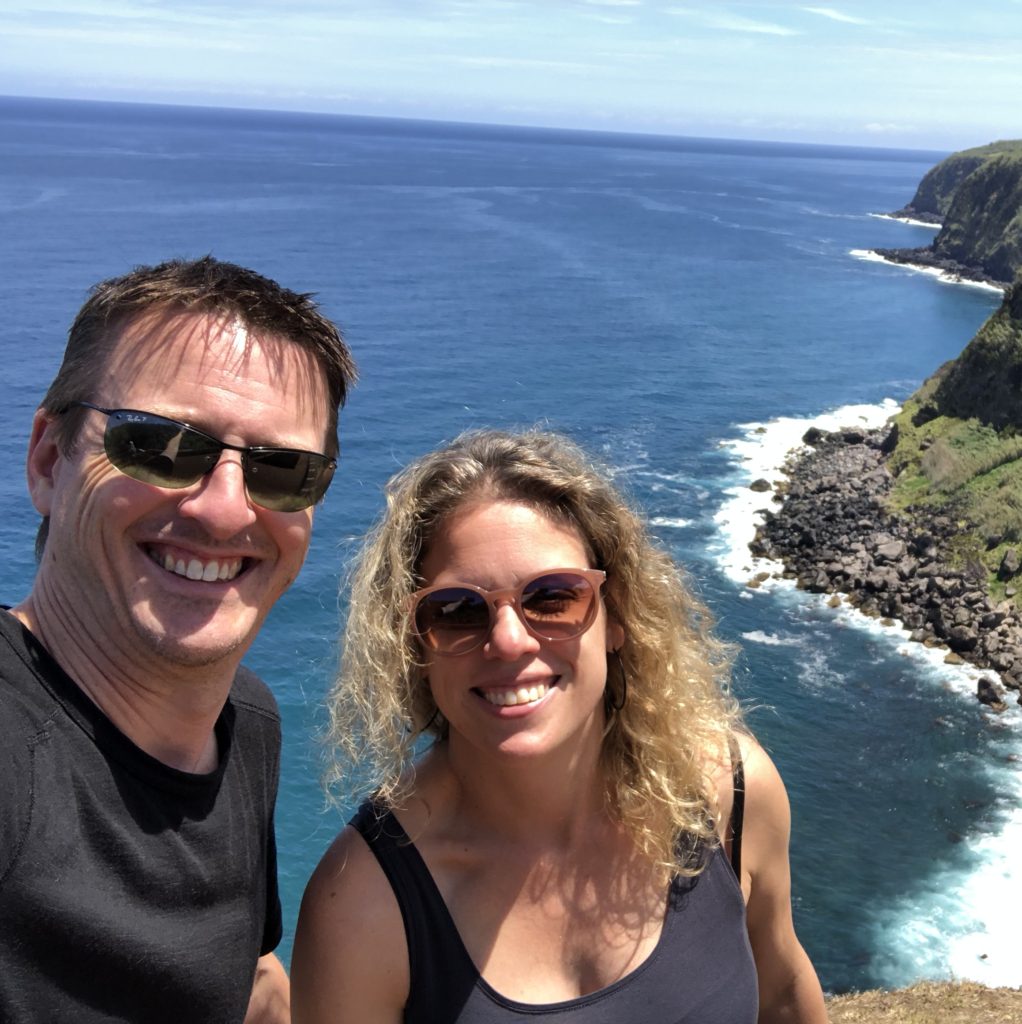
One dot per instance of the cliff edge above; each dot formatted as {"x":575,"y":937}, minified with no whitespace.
{"x":921,"y":522}
{"x":976,"y":196}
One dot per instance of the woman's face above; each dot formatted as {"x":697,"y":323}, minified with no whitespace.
{"x":517,"y":695}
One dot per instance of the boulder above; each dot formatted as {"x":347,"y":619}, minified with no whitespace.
{"x":962,"y":638}
{"x":890,"y":551}
{"x":990,"y":694}
{"x":1009,"y":565}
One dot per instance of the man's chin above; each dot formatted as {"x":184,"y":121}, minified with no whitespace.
{"x":203,"y":647}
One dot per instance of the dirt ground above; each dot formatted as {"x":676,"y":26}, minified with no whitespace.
{"x":930,"y":1003}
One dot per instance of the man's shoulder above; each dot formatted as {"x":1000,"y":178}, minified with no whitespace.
{"x":24,"y":702}
{"x":250,"y":694}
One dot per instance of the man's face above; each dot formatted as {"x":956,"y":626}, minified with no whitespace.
{"x":122,"y":556}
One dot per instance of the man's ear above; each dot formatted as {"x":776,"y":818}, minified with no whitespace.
{"x":44,"y":458}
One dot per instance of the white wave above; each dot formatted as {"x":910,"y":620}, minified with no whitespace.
{"x":674,"y":522}
{"x":959,"y":924}
{"x":762,"y":451}
{"x":757,"y":636}
{"x":816,"y":673}
{"x":941,"y":275}
{"x":657,"y":474}
{"x":908,"y":220}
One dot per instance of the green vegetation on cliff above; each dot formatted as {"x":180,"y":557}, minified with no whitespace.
{"x":983,"y":224}
{"x":936,"y":190}
{"x":976,"y":195}
{"x":959,"y":441}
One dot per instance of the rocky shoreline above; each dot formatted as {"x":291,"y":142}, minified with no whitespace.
{"x":921,"y":216}
{"x":952,"y":268}
{"x":833,"y":533}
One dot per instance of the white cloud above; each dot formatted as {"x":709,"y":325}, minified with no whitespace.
{"x":528,"y":63}
{"x":733,"y":22}
{"x":929,"y":56}
{"x":829,"y":12}
{"x":130,"y":37}
{"x":878,"y":128}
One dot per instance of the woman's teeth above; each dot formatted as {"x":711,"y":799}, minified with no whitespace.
{"x":509,"y":698}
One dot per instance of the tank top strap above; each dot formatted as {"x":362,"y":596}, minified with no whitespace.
{"x":441,"y":971}
{"x":737,"y":819}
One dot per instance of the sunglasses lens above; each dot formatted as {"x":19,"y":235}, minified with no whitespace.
{"x":452,"y":620}
{"x":157,"y":451}
{"x":558,"y":605}
{"x":286,"y":480}
{"x":166,"y":453}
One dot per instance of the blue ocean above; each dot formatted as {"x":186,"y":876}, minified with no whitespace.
{"x":684,"y":307}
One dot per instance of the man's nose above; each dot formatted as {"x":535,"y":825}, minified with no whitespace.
{"x":220,"y":500}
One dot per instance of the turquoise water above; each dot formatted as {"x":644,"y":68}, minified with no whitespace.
{"x":652,"y":298}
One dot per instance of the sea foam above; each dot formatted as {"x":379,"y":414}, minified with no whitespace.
{"x":954,"y":923}
{"x":944,"y":276}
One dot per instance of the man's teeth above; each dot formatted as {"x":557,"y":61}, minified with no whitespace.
{"x":509,"y":698}
{"x":209,"y":571}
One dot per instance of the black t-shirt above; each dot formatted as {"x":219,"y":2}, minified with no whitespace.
{"x":129,"y":891}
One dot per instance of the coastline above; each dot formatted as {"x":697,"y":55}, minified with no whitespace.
{"x":958,"y":924}
{"x":946,"y":273}
{"x":834,"y":535}
{"x":915,"y":222}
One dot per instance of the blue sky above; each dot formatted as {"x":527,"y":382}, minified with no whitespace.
{"x":930,"y":74}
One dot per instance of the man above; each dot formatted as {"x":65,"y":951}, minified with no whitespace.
{"x":176,"y":460}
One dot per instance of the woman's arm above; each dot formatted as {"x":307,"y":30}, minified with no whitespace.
{"x":789,"y":990}
{"x":350,"y":960}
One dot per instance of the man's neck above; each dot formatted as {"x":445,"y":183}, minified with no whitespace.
{"x":167,"y":710}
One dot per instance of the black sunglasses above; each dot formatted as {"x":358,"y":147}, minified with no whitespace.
{"x":165,"y":452}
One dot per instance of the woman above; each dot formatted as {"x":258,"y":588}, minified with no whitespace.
{"x":570,"y":846}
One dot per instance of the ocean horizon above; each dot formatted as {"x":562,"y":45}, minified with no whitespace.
{"x":685,"y":308}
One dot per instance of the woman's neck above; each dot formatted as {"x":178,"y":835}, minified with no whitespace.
{"x":551,"y":800}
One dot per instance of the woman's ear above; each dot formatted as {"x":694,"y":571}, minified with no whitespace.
{"x":615,"y":635}
{"x":44,"y":458}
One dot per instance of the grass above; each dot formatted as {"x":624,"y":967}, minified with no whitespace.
{"x":962,"y":468}
{"x":929,"y":1002}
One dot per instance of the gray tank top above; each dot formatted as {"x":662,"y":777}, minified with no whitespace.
{"x":700,"y":972}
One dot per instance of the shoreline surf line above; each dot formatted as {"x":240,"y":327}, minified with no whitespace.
{"x":951,"y":925}
{"x":907,"y":220}
{"x":762,"y":452}
{"x":944,"y":276}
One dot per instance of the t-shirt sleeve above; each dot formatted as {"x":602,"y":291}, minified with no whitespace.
{"x":17,"y":775}
{"x":274,"y":929}
{"x":253,"y":692}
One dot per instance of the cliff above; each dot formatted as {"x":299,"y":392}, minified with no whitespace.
{"x":983,"y":224}
{"x":935,"y":192}
{"x":977,"y":196}
{"x":922,"y":522}
{"x":985,"y":382}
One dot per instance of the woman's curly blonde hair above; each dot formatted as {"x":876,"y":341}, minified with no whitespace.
{"x":661,"y":747}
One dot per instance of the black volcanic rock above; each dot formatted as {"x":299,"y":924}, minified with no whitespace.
{"x":835,"y":533}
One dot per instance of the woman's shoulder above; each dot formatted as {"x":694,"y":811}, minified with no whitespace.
{"x":743,"y":763}
{"x":750,"y":796}
{"x":350,"y":949}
